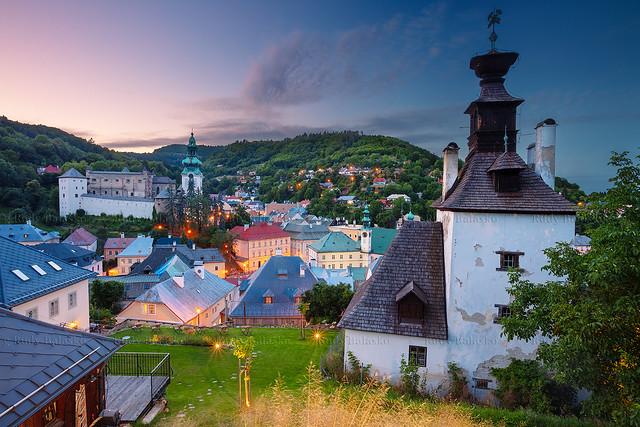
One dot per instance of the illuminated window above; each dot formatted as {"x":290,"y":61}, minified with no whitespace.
{"x":150,"y":309}
{"x":268,"y":300}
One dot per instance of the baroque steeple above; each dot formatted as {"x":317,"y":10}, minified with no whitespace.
{"x":191,"y":173}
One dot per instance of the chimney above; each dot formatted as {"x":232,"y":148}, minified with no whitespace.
{"x":28,"y":222}
{"x":531,"y":156}
{"x":198,"y":267}
{"x":122,"y":235}
{"x":169,"y":236}
{"x":246,"y":226}
{"x":545,"y":149}
{"x":179,"y":281}
{"x":193,"y":246}
{"x":301,"y":270}
{"x":173,"y":246}
{"x":450,"y":168}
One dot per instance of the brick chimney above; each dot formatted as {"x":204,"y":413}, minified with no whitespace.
{"x":545,"y":151}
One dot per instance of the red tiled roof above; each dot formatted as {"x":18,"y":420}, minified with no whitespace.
{"x":379,"y":180}
{"x":259,"y":231}
{"x":80,"y":237}
{"x":118,"y":242}
{"x":52,"y":169}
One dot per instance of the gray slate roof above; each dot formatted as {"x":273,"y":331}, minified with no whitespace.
{"x":415,"y":255}
{"x":474,"y":190}
{"x":69,"y":253}
{"x":134,"y":285}
{"x":160,"y":255}
{"x":72,"y":173}
{"x":15,"y":291}
{"x":33,"y":352}
{"x":27,"y":233}
{"x":196,"y":293}
{"x":282,"y":287}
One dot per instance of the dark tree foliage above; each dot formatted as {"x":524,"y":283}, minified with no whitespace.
{"x":592,"y":316}
{"x":105,"y":295}
{"x":326,"y":303}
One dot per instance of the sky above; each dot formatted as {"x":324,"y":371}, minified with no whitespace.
{"x":138,"y":75}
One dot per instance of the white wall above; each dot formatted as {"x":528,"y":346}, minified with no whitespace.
{"x":474,"y":286}
{"x":124,"y":207}
{"x":70,"y":194}
{"x":384,"y":352}
{"x":78,"y":314}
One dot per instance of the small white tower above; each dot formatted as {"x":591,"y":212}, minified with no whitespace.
{"x":71,"y":186}
{"x":365,"y":238}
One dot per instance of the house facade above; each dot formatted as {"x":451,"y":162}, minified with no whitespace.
{"x":134,"y":253}
{"x":114,"y":245}
{"x":197,"y":298}
{"x":336,"y":251}
{"x":254,"y":245}
{"x":42,"y":287}
{"x":439,"y":292}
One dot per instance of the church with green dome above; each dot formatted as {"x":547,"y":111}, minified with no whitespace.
{"x":191,"y":173}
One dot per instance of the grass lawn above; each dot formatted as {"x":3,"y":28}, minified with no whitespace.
{"x":205,"y":385}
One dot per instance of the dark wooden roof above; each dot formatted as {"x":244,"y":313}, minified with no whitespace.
{"x":415,"y":255}
{"x":474,"y":189}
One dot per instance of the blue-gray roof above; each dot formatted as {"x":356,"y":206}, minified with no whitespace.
{"x":27,"y":233}
{"x":16,"y":257}
{"x":281,"y":287}
{"x":580,"y":240}
{"x":142,"y":246}
{"x":72,"y":254}
{"x":72,"y":173}
{"x":196,"y":293}
{"x":134,"y":285}
{"x":335,"y":241}
{"x":34,"y":353}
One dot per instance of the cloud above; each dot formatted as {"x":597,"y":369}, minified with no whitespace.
{"x":305,"y":67}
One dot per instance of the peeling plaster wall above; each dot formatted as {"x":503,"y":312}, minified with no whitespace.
{"x":474,"y":286}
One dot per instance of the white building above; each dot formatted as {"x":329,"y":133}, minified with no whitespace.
{"x":438,"y":293}
{"x":40,"y":286}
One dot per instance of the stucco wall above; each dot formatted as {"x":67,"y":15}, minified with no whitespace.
{"x":338,"y":260}
{"x":135,"y":311}
{"x":78,"y":315}
{"x":124,"y":207}
{"x":474,"y":286}
{"x":70,"y":193}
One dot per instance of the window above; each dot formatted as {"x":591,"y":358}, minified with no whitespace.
{"x":411,"y":310}
{"x":149,"y":309}
{"x":54,"y":308}
{"x":268,"y":300}
{"x":20,"y":275}
{"x":73,"y":300}
{"x":509,"y":260}
{"x":481,"y":383}
{"x":33,"y":313}
{"x":503,"y":311}
{"x":38,"y":270}
{"x":418,"y":355}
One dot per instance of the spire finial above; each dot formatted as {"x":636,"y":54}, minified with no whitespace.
{"x":493,"y":19}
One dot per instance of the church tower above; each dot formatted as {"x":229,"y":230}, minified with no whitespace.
{"x":365,"y":239}
{"x":191,"y":174}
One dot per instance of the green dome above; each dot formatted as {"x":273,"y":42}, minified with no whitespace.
{"x":410,"y":216}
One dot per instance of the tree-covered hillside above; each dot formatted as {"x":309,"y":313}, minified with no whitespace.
{"x":25,"y":147}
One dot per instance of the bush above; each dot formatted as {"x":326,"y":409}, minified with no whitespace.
{"x":332,"y":362}
{"x":458,"y":388}
{"x":526,"y":384}
{"x":358,"y":373}
{"x":101,"y":315}
{"x":106,"y":294}
{"x":409,"y":377}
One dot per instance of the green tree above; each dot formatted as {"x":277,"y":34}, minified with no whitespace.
{"x":592,"y":315}
{"x":107,"y":294}
{"x":326,"y":302}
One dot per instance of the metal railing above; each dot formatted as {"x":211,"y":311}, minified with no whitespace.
{"x":157,"y":366}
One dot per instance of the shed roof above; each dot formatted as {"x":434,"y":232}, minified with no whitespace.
{"x":34,"y":354}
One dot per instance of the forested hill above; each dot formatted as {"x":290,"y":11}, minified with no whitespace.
{"x":26,"y":147}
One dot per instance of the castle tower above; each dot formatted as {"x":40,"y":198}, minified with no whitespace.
{"x":71,"y":186}
{"x":191,"y":174}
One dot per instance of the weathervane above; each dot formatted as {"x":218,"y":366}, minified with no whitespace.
{"x":493,"y":19}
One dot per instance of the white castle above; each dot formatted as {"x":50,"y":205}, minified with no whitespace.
{"x":125,"y":193}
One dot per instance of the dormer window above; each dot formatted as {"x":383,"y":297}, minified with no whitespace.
{"x":507,"y":181}
{"x":411,"y":302}
{"x":268,"y":300}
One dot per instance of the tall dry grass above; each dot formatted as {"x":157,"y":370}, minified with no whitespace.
{"x":362,"y":407}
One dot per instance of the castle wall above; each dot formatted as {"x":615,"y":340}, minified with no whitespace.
{"x":139,"y":208}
